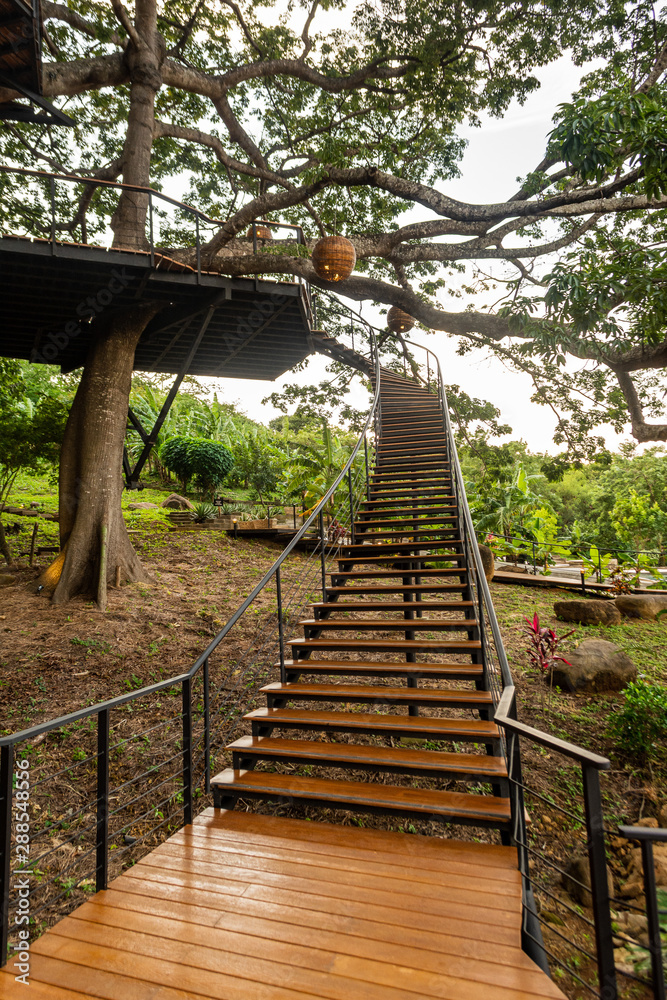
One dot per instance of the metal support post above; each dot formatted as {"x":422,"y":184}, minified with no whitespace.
{"x":102,"y":836}
{"x":207,"y":729}
{"x":349,"y":490}
{"x":187,"y":751}
{"x":281,"y":638}
{"x":597,"y":860}
{"x":323,"y":565}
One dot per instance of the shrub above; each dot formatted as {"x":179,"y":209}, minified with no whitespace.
{"x":642,"y":721}
{"x":203,"y":512}
{"x":205,"y":461}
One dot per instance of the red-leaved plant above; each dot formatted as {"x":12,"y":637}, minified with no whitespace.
{"x":542,"y":647}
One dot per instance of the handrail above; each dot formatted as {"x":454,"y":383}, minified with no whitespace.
{"x":152,"y":192}
{"x":464,"y":508}
{"x":84,"y":713}
{"x":503,"y":718}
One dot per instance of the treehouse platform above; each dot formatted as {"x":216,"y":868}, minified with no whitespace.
{"x":208,"y":324}
{"x":253,"y":907}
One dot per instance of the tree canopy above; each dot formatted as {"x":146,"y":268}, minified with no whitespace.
{"x":345,"y":117}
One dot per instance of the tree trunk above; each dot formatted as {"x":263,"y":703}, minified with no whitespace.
{"x":4,"y":545}
{"x":91,"y":460}
{"x":144,"y":58}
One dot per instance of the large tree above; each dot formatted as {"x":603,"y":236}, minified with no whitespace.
{"x":342,"y":116}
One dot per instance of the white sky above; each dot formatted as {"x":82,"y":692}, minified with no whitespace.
{"x":496,"y":155}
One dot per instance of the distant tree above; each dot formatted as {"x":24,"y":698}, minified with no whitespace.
{"x":32,"y":423}
{"x":199,"y":459}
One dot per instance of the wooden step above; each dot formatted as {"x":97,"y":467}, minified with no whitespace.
{"x":425,"y":545}
{"x":408,"y":534}
{"x":374,"y":668}
{"x":385,"y":645}
{"x":387,"y":624}
{"x":389,"y":574}
{"x":409,"y":519}
{"x":395,"y":607}
{"x":356,"y":756}
{"x":363,"y":796}
{"x":417,"y":502}
{"x":397,"y":588}
{"x":402,"y":558}
{"x":410,"y":726}
{"x":408,"y":491}
{"x":377,"y":694}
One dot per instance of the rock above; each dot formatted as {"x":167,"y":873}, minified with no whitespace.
{"x":176,"y":502}
{"x":585,"y":612}
{"x":662,"y":817}
{"x":6,"y":580}
{"x":577,"y":872}
{"x":660,"y":864}
{"x":649,"y":822}
{"x":514,"y":568}
{"x":595,"y":665}
{"x":552,"y":918}
{"x":642,"y":606}
{"x":144,"y":505}
{"x":488,"y":562}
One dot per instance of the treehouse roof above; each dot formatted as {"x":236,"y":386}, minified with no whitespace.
{"x":253,"y":328}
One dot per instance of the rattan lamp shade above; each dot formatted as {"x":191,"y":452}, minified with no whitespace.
{"x":399,"y":321}
{"x":334,"y":258}
{"x":263,"y":232}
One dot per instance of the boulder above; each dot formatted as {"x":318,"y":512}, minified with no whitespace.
{"x":660,"y":865}
{"x":641,"y":606}
{"x":585,"y":612}
{"x":6,"y":580}
{"x":662,"y":816}
{"x":577,"y":880}
{"x":488,"y":562}
{"x":176,"y":502}
{"x":144,"y":505}
{"x":595,"y":665}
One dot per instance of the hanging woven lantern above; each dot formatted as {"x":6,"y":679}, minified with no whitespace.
{"x":334,"y":258}
{"x":263,"y":232}
{"x":399,"y":321}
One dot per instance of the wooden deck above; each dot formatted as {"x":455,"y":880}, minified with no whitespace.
{"x":254,"y":907}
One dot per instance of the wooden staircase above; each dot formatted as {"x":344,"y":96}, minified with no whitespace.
{"x":385,"y":695}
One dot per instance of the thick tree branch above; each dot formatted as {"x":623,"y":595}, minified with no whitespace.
{"x":58,"y":12}
{"x":641,"y":431}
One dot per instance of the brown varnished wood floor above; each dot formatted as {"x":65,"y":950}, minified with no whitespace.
{"x":254,"y":907}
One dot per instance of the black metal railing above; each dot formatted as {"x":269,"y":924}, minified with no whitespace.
{"x":82,"y":795}
{"x":190,"y":225}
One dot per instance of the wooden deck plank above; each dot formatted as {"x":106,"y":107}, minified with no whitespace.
{"x":462,"y":879}
{"x":246,"y":907}
{"x":251,"y":869}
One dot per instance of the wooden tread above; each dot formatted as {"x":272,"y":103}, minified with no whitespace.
{"x":337,"y":606}
{"x":371,"y":723}
{"x":378,"y":694}
{"x":387,"y":645}
{"x":401,"y":759}
{"x":388,"y":624}
{"x":451,"y":807}
{"x":385,"y":668}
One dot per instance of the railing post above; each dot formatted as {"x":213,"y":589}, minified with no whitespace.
{"x":599,"y":888}
{"x":368,"y":479}
{"x":534,"y":560}
{"x":187,"y":751}
{"x":350,"y":493}
{"x":6,"y":801}
{"x":323,"y":565}
{"x":198,"y":250}
{"x":52,"y":193}
{"x":654,"y":933}
{"x":207,"y":729}
{"x":281,"y":638}
{"x":150,"y":228}
{"x":102,"y":837}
